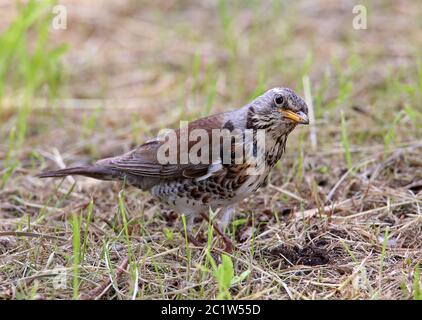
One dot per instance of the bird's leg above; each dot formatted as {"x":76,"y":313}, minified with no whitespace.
{"x":188,"y":232}
{"x":227,"y":242}
{"x":227,"y":217}
{"x":193,"y":240}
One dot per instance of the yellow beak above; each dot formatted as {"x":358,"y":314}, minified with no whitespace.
{"x":299,"y":117}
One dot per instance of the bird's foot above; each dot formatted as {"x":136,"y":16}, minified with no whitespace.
{"x":192,"y":239}
{"x":228,"y":243}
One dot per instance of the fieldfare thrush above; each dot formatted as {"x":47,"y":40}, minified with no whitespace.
{"x":210,"y":163}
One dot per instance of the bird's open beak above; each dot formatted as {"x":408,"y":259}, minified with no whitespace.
{"x":297,"y":117}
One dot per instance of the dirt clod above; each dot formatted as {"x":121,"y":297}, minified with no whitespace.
{"x":308,"y":255}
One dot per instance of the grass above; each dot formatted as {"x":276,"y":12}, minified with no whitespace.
{"x":224,"y":274}
{"x":227,"y":25}
{"x":382,"y":258}
{"x":76,"y":257}
{"x":28,"y":70}
{"x":417,"y":293}
{"x":345,"y":142}
{"x":340,"y":219}
{"x":185,"y":230}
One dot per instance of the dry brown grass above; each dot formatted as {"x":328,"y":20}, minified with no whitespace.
{"x":317,"y":232}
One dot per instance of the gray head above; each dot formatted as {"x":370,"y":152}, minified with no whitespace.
{"x":277,"y":109}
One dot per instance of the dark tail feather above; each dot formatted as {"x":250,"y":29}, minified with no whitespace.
{"x":96,"y":172}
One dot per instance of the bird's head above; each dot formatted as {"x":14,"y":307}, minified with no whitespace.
{"x":278,"y":109}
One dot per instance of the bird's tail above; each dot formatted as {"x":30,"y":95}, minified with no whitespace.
{"x":94,"y":171}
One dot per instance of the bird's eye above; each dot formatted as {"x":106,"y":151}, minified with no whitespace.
{"x":279,"y":100}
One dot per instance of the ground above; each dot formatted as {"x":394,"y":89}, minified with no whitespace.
{"x":341,"y":217}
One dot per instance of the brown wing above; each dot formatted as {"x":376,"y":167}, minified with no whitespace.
{"x":143,"y":161}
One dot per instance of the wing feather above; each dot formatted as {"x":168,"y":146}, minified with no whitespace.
{"x":143,"y":162}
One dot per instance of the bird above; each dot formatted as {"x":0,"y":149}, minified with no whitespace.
{"x":193,"y":176}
